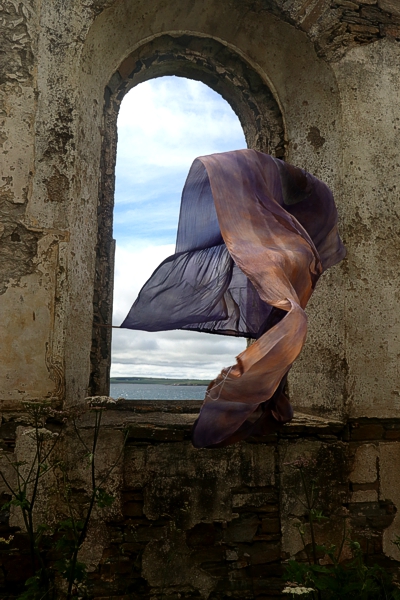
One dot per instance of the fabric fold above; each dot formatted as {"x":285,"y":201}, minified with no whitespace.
{"x":254,"y":236}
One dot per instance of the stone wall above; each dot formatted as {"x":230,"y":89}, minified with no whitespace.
{"x":219,"y":523}
{"x":335,"y":26}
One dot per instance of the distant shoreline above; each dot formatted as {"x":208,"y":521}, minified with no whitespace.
{"x":160,"y":381}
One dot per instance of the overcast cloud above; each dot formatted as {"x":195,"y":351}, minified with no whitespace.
{"x":163,"y":125}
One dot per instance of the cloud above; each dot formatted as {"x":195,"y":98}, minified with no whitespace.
{"x":182,"y":354}
{"x":191,"y":358}
{"x":163,"y":125}
{"x":175,"y":120}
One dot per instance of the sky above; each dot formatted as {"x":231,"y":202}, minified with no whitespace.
{"x":163,"y":125}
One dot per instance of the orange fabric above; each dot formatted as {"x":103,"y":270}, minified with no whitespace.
{"x":278,"y":256}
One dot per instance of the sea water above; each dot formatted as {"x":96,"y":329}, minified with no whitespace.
{"x":155,"y":391}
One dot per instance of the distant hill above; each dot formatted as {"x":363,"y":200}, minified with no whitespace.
{"x":159,"y":380}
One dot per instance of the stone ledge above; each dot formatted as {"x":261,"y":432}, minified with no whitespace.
{"x":172,"y":420}
{"x":152,"y":419}
{"x":158,"y":406}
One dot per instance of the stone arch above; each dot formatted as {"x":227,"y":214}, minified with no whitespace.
{"x":304,"y":86}
{"x":226,"y":72}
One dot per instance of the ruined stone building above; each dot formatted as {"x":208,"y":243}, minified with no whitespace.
{"x":315,"y":82}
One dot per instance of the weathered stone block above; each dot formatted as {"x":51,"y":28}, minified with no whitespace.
{"x":346,"y":4}
{"x":390,"y":490}
{"x":364,"y":496}
{"x":390,"y":30}
{"x":270,"y":526}
{"x":263,"y":552}
{"x":159,"y":434}
{"x":242,"y":529}
{"x":254,"y":500}
{"x":364,"y":29}
{"x":173,"y":477}
{"x":374,"y":15}
{"x":390,"y":6}
{"x":170,"y":563}
{"x":380,"y":522}
{"x":365,"y":464}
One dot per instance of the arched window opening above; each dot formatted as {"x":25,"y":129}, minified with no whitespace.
{"x":163,"y":125}
{"x":225,"y":72}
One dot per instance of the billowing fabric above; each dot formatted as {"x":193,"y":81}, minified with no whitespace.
{"x":254,"y":235}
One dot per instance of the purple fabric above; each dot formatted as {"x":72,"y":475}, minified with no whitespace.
{"x":254,"y":236}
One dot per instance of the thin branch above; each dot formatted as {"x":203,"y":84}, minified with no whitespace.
{"x":79,"y":436}
{"x":16,"y":469}
{"x":111,"y":469}
{"x":310,"y":516}
{"x":343,"y":540}
{"x":8,"y":485}
{"x":51,"y":449}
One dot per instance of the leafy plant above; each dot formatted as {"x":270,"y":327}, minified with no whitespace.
{"x":75,"y":528}
{"x":24,"y":494}
{"x":338,"y":579}
{"x":64,"y":538}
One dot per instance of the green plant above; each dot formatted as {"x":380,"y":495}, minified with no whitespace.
{"x":74,"y":529}
{"x":336,"y":579}
{"x":24,"y":494}
{"x":63,"y":537}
